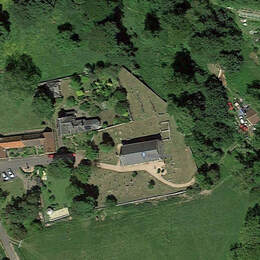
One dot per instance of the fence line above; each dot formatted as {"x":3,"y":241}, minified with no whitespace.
{"x":172,"y":194}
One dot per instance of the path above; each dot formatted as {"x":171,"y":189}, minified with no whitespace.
{"x":151,"y":168}
{"x":8,"y":247}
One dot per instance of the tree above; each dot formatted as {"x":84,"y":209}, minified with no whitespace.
{"x":83,"y":207}
{"x":59,"y":169}
{"x":111,"y":200}
{"x":83,"y":172}
{"x":152,"y":23}
{"x":3,"y":195}
{"x":43,"y":106}
{"x":71,"y":102}
{"x":73,"y":190}
{"x":121,"y":108}
{"x":91,"y":152}
{"x":85,"y":106}
{"x":107,"y":144}
{"x":21,"y":74}
{"x":254,"y":89}
{"x":151,"y":184}
{"x":76,"y":82}
{"x":120,"y":94}
{"x":4,"y":23}
{"x":248,"y":245}
{"x":21,"y":212}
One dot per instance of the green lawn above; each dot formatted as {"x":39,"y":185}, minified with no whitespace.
{"x":57,"y":188}
{"x":17,"y":116}
{"x":14,"y":187}
{"x":199,"y":229}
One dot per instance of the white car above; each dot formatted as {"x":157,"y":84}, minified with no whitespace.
{"x":10,"y":173}
{"x":5,"y":176}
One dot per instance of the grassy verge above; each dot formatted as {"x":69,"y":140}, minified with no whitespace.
{"x":199,"y":229}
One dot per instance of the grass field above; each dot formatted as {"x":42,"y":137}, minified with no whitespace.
{"x":17,"y":116}
{"x":14,"y":187}
{"x":124,"y":186}
{"x":57,"y":188}
{"x":199,"y":229}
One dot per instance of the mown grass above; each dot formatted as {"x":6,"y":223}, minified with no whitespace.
{"x":56,"y":187}
{"x":16,"y":115}
{"x":14,"y":187}
{"x":199,"y":229}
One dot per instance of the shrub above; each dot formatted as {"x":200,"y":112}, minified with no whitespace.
{"x":71,"y":101}
{"x":106,"y":147}
{"x":151,"y":184}
{"x":85,"y":106}
{"x":111,"y":200}
{"x":121,"y":108}
{"x":134,"y":174}
{"x":120,"y":94}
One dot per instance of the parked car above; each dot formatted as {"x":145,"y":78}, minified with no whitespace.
{"x":242,"y":121}
{"x":10,"y":173}
{"x":5,"y":176}
{"x":230,"y":106}
{"x":243,"y":128}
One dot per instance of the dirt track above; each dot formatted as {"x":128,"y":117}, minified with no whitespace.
{"x":150,"y":167}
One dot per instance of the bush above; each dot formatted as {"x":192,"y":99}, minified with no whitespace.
{"x":84,"y":207}
{"x":121,"y":108}
{"x":94,"y":110}
{"x":120,"y":94}
{"x":151,"y":184}
{"x":43,"y":106}
{"x":120,"y":120}
{"x":71,"y":102}
{"x":111,"y":200}
{"x":76,"y":83}
{"x":59,"y":169}
{"x":106,"y":147}
{"x":85,"y":106}
{"x":134,"y":174}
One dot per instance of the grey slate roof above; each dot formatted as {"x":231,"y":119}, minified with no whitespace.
{"x":141,"y":152}
{"x":54,"y":87}
{"x":70,"y":124}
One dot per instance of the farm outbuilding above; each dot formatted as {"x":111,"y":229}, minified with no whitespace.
{"x":141,"y":152}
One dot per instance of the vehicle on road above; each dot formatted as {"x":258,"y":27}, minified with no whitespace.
{"x":10,"y":173}
{"x":5,"y":176}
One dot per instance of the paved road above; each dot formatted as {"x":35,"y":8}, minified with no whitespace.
{"x":23,"y":162}
{"x":9,"y":250}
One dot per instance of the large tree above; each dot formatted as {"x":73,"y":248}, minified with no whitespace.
{"x":21,"y":75}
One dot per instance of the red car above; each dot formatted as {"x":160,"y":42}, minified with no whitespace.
{"x":243,"y":128}
{"x":230,"y":106}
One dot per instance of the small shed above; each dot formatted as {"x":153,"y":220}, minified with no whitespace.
{"x":58,"y":214}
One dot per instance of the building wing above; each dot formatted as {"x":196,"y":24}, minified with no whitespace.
{"x":141,"y":152}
